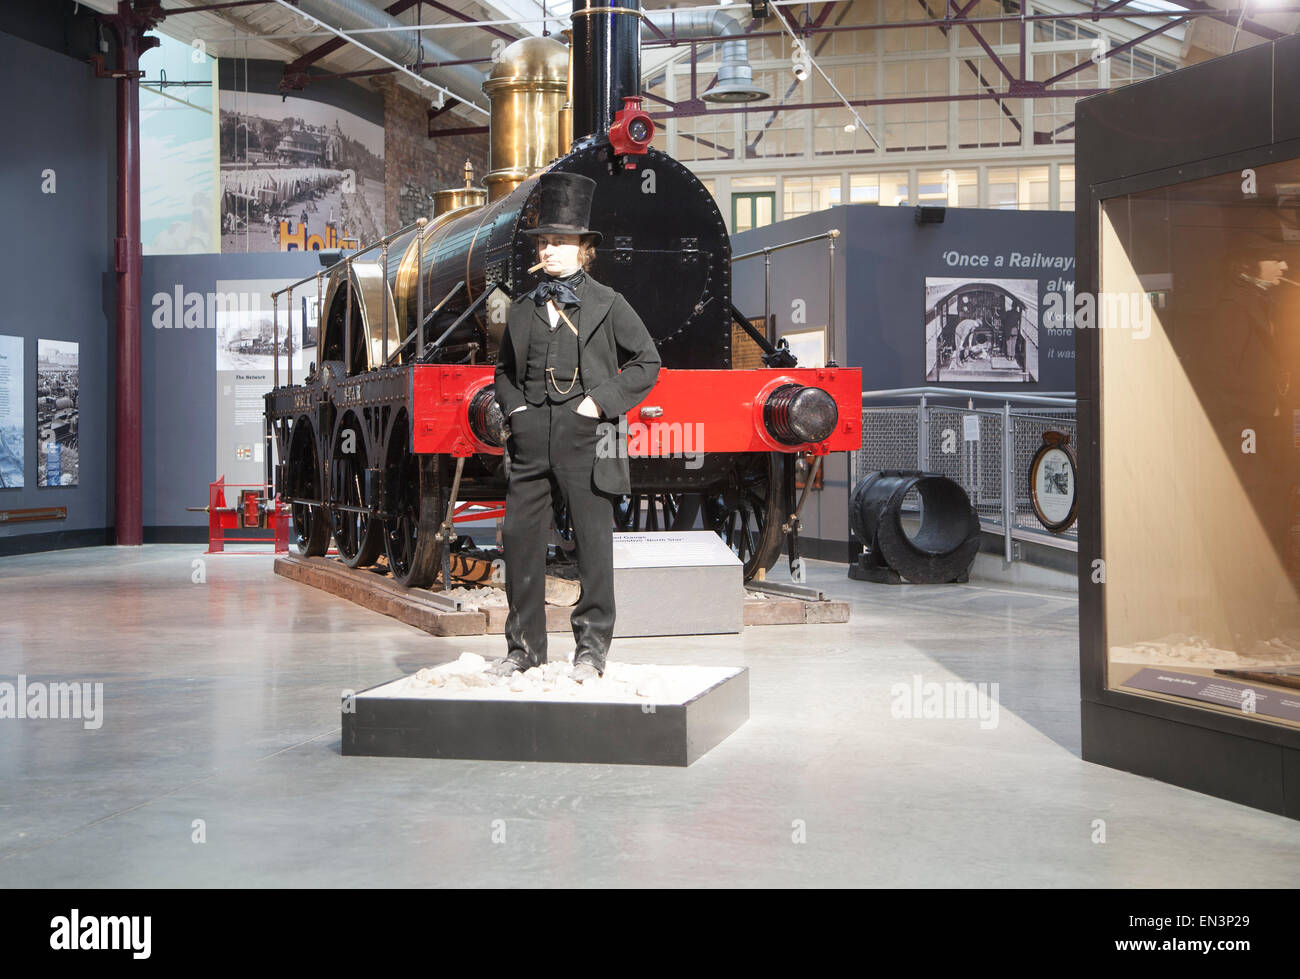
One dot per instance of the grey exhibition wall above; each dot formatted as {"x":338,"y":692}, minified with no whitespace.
{"x":883,"y":258}
{"x":57,"y":273}
{"x":889,"y":256}
{"x":180,"y":382}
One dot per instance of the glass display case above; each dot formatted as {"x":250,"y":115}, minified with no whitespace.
{"x":1187,"y":336}
{"x":1198,"y":322}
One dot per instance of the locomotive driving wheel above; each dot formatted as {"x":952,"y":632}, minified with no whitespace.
{"x":311,"y":529}
{"x":746,"y":512}
{"x":657,"y":511}
{"x":358,"y":536}
{"x":414,"y":498}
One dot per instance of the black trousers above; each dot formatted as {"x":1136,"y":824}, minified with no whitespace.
{"x":552,"y":450}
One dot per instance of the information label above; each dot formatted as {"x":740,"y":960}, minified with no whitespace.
{"x":692,"y":548}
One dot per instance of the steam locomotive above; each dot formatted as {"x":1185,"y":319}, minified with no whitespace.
{"x":397,"y":433}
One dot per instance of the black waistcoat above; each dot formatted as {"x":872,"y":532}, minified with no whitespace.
{"x":551,"y":370}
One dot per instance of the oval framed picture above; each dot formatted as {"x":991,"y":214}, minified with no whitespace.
{"x":1053,"y":484}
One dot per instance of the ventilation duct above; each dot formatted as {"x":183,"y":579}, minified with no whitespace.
{"x":406,"y":46}
{"x":735,"y":76}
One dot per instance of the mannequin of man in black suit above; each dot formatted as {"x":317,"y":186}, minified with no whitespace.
{"x":575,"y":356}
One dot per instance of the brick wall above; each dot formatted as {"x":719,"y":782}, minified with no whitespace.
{"x":746,"y":354}
{"x":414,"y":165}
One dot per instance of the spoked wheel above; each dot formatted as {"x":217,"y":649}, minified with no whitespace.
{"x":414,"y":499}
{"x":358,"y":536}
{"x":657,"y":511}
{"x":746,"y":513}
{"x":311,"y":529}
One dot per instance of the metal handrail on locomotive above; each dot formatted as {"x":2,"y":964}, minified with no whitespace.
{"x":396,"y":421}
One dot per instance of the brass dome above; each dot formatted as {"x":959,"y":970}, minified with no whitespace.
{"x":531,"y":61}
{"x":528,"y":87}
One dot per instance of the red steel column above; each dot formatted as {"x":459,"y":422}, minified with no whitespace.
{"x":129,"y":24}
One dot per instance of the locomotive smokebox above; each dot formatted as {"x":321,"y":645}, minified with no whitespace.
{"x":606,"y":62}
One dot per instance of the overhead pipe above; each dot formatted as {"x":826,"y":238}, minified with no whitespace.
{"x":735,"y":76}
{"x":404,"y":45}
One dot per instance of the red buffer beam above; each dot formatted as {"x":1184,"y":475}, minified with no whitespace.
{"x":687,"y":410}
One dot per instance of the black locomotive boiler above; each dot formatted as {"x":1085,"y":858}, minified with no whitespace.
{"x":395,"y":431}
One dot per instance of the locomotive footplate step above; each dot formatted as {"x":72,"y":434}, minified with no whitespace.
{"x":634,"y":715}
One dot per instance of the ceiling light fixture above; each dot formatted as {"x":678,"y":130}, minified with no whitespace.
{"x":802,"y":64}
{"x":799,"y":61}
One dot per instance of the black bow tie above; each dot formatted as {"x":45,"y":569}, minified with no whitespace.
{"x":563,"y":291}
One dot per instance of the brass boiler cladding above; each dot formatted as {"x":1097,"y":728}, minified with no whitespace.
{"x":470,"y":236}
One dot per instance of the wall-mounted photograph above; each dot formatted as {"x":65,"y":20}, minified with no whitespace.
{"x":297,"y":174}
{"x":246,"y":339}
{"x":57,"y":388}
{"x":11,"y":412}
{"x":981,"y":330}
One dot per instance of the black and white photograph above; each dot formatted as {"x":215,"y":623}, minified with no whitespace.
{"x":1056,"y":477}
{"x":981,"y":330}
{"x":57,"y":387}
{"x":297,"y":174}
{"x":11,"y":412}
{"x":246,"y":338}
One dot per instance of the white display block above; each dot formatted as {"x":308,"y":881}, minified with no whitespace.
{"x":676,"y":583}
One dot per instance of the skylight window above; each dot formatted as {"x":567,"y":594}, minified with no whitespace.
{"x":528,"y":13}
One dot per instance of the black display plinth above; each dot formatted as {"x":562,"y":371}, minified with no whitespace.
{"x":494,"y":729}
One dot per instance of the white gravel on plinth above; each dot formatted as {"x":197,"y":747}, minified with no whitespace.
{"x":623,"y":683}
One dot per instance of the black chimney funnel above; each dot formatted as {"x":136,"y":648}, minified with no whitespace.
{"x":606,"y":62}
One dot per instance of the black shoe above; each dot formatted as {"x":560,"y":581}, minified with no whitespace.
{"x":506,"y":667}
{"x":584,"y":671}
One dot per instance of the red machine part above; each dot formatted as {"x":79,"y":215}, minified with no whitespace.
{"x":722,"y":411}
{"x":254,"y":510}
{"x":687,"y":411}
{"x":478,"y":510}
{"x":440,"y":409}
{"x":252,"y":513}
{"x":632,"y":130}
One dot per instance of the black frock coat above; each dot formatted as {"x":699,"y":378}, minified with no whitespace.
{"x":617,"y":359}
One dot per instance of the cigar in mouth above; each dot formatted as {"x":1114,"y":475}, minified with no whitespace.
{"x":1288,"y":281}
{"x":536,"y":267}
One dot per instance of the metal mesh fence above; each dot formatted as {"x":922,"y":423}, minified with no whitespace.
{"x":967,"y":446}
{"x":889,"y":440}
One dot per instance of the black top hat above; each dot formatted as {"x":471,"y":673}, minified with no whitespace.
{"x":1259,"y":248}
{"x":565,"y":206}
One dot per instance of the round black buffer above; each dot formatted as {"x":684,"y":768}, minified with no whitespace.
{"x":486,"y":420}
{"x":796,"y":414}
{"x":942,"y":550}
